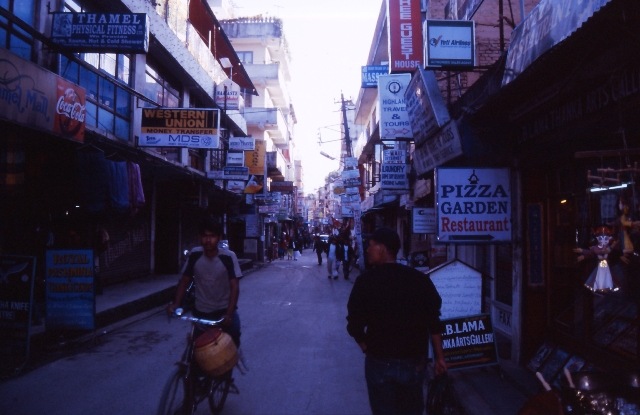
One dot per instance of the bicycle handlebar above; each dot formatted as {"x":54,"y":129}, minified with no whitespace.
{"x":178,"y":314}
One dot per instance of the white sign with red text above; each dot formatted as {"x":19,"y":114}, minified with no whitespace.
{"x":473,"y":205}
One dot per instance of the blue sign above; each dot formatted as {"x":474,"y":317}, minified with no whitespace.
{"x":101,"y":32}
{"x":70,"y":290}
{"x":235,"y":173}
{"x":371,"y":73}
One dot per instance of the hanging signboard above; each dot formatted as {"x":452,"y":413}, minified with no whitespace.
{"x":232,"y":99}
{"x":473,"y":205}
{"x":350,"y":174}
{"x":469,"y":342}
{"x":394,"y":121}
{"x":101,"y":32}
{"x":394,"y":156}
{"x":70,"y":289}
{"x":426,"y":108}
{"x":440,"y":148}
{"x":236,"y":186}
{"x":394,"y":176}
{"x":371,"y":73}
{"x":235,"y":173}
{"x":423,"y":220}
{"x":465,"y":11}
{"x":242,"y":143}
{"x":255,"y":158}
{"x":16,"y":305}
{"x":350,"y":162}
{"x":235,"y":158}
{"x":33,"y":96}
{"x":404,"y":35}
{"x":281,"y":186}
{"x":449,"y":43}
{"x":179,"y":127}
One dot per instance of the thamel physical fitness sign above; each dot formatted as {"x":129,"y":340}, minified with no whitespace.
{"x":179,"y":127}
{"x":473,"y":205}
{"x":469,"y":342}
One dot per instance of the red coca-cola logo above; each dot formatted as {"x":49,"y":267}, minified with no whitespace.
{"x":70,"y":113}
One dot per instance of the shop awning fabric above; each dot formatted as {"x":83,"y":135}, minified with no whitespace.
{"x":204,"y":21}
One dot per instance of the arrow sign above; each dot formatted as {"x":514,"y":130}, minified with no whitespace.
{"x":396,"y":132}
{"x":471,"y":237}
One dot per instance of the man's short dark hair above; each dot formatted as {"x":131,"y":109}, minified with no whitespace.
{"x":211,"y":225}
{"x":387,"y":237}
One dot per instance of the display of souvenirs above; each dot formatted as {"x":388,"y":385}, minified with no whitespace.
{"x":610,"y":331}
{"x":601,"y":278}
{"x":627,"y":342}
{"x":541,"y":355}
{"x":554,"y":364}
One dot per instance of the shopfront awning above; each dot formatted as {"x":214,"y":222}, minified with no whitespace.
{"x":204,"y":21}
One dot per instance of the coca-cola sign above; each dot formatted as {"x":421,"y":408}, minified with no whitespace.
{"x":70,"y":110}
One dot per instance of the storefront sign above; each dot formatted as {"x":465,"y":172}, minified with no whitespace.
{"x":70,"y":290}
{"x":235,"y":173}
{"x":394,"y":176}
{"x":439,"y":149}
{"x":426,"y":108}
{"x":347,"y":211}
{"x":101,"y":32}
{"x":179,"y":127}
{"x":16,"y":305}
{"x":394,"y":156}
{"x":35,"y":97}
{"x":255,"y":159}
{"x":235,"y":158}
{"x":449,"y":43}
{"x":394,"y":120}
{"x":236,"y":186}
{"x":242,"y":143}
{"x":350,"y":162}
{"x":232,"y":101}
{"x":350,"y":174}
{"x":405,"y":35}
{"x":460,"y":287}
{"x":545,"y":26}
{"x":469,"y":342}
{"x":252,"y":226}
{"x":282,"y":186}
{"x":473,"y":205}
{"x":423,"y":220}
{"x":371,"y":73}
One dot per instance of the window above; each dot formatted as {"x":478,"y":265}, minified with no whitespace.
{"x":108,"y":105}
{"x":159,"y":90}
{"x":245,"y":57}
{"x":11,"y":36}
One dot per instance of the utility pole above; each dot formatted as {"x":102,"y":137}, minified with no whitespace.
{"x":347,"y":139}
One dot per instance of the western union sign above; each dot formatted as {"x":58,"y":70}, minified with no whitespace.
{"x":179,"y":127}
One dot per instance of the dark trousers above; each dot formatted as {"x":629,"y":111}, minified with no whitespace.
{"x":319,"y":258}
{"x":395,"y":385}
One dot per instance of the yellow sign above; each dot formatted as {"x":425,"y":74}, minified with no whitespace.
{"x":254,"y":159}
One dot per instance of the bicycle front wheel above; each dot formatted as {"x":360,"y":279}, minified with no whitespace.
{"x":176,"y":397}
{"x":219,"y":392}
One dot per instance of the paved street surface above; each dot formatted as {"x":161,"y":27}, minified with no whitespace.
{"x":301,"y":359}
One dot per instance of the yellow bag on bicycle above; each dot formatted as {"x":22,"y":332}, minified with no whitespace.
{"x":215,"y":352}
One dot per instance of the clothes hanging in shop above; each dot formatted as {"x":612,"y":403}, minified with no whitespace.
{"x":136,"y":192}
{"x":118,"y":185}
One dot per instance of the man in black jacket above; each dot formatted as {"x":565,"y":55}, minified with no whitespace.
{"x":393,"y":310}
{"x":319,"y":246}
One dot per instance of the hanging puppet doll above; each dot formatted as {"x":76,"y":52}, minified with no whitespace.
{"x":601,"y":278}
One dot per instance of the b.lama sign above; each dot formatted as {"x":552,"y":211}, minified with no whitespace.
{"x":473,"y":205}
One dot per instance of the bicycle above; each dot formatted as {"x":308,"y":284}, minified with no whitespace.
{"x":188,"y":385}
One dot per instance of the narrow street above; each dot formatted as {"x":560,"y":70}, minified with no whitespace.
{"x":301,"y":359}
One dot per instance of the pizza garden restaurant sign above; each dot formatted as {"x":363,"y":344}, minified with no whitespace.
{"x":473,"y":205}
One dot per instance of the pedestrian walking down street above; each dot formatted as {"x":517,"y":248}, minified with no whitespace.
{"x":291,"y":245}
{"x":348,"y":255}
{"x":393,"y":310}
{"x":319,"y":247}
{"x":332,"y":260}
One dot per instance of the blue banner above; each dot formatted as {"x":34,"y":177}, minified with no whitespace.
{"x":371,"y":73}
{"x":101,"y":32}
{"x":70,"y":289}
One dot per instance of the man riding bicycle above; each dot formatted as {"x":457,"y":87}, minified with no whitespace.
{"x":215,"y":272}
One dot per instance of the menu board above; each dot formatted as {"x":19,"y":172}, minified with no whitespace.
{"x":460,"y":287}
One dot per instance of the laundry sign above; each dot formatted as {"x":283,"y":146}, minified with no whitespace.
{"x":394,"y":176}
{"x":473,"y":205}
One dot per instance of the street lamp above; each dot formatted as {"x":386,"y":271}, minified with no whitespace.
{"x":327,"y":156}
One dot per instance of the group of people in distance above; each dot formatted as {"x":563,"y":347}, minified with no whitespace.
{"x":339,"y":251}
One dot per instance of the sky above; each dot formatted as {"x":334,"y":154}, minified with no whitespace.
{"x":329,"y":42}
